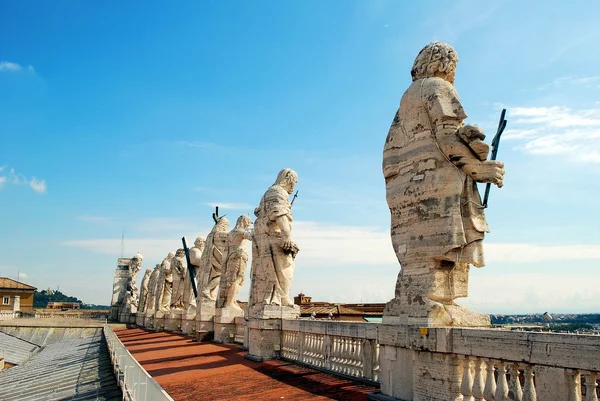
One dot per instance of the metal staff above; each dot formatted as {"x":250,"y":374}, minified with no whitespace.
{"x":191,"y":271}
{"x":495,"y":144}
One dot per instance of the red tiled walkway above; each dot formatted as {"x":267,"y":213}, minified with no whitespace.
{"x":189,"y":370}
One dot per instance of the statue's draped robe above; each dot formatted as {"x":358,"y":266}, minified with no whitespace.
{"x":234,"y":268}
{"x":435,"y":207}
{"x":272,"y":267}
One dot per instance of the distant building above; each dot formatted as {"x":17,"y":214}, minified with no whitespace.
{"x":63,"y":305}
{"x":13,"y":294}
{"x":362,"y":312}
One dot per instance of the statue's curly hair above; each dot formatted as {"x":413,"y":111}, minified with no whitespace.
{"x":436,"y":56}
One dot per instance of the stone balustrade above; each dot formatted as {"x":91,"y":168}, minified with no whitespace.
{"x":344,"y":348}
{"x":8,"y":315}
{"x":488,"y":364}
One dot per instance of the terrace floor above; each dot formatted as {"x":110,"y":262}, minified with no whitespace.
{"x":189,"y":370}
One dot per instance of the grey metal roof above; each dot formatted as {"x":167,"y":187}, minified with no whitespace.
{"x":74,"y":369}
{"x":49,"y":335}
{"x":15,"y":350}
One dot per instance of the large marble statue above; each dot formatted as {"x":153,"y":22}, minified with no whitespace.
{"x":235,"y":263}
{"x":130,"y":304}
{"x":179,"y":270}
{"x":144,"y":291}
{"x":212,"y":260}
{"x":431,"y":164}
{"x":165,"y":284}
{"x":273,"y":250}
{"x":151,"y":298}
{"x":195,"y":257}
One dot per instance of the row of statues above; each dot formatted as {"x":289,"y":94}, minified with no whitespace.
{"x":219,"y":261}
{"x":432,"y":163}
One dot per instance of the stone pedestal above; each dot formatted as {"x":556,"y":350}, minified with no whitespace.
{"x":149,"y":319}
{"x":159,"y":320}
{"x":205,"y":318}
{"x":264,"y":331}
{"x":140,"y":319}
{"x":225,"y":326}
{"x":173,"y":320}
{"x":188,"y":323}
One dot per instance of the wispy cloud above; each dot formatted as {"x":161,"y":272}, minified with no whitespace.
{"x":22,"y":276}
{"x":94,"y":219}
{"x":570,"y":80}
{"x":231,"y":206}
{"x":11,"y":177}
{"x":557,"y":130}
{"x":9,"y":66}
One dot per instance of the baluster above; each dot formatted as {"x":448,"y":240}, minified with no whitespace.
{"x":302,"y":346}
{"x":515,"y":393}
{"x":327,"y":351}
{"x":590,"y":386}
{"x":478,"y":382}
{"x":466,"y":384}
{"x":356,"y":363}
{"x":346,"y":352}
{"x":502,"y":384}
{"x":489,"y":394}
{"x":574,"y":385}
{"x":529,"y":393}
{"x":334,"y":352}
{"x":321,"y":351}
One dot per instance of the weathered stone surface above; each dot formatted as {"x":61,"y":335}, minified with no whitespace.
{"x":188,"y":323}
{"x":264,"y":339}
{"x":211,"y":263}
{"x":150,"y":305}
{"x":225,"y":324}
{"x":195,"y":259}
{"x":431,"y":164}
{"x":179,"y":270}
{"x":173,"y":320}
{"x":273,"y":249}
{"x":144,"y":292}
{"x":164,"y":287}
{"x":235,"y":264}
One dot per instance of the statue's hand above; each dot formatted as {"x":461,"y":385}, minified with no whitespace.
{"x":286,"y":242}
{"x":490,"y":171}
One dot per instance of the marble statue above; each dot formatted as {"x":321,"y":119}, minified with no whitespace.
{"x":195,"y":252}
{"x":179,"y":271}
{"x":151,"y":298}
{"x":131,"y":301}
{"x":144,"y":291}
{"x":212,"y":260}
{"x":235,"y":264}
{"x":165,"y":284}
{"x":431,"y":163}
{"x":273,"y":250}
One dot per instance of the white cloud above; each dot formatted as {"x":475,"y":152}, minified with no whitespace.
{"x":22,"y":276}
{"x":11,"y":177}
{"x":231,"y":206}
{"x":569,"y":81}
{"x":341,"y":263}
{"x":9,"y":66}
{"x":38,"y":186}
{"x":557,"y":130}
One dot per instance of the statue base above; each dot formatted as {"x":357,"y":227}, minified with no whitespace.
{"x":264,"y":331}
{"x":205,"y":320}
{"x":159,"y":320}
{"x":139,"y":319}
{"x":225,"y":324}
{"x":188,"y":323}
{"x":173,"y":320}
{"x":149,"y":319}
{"x":432,"y":314}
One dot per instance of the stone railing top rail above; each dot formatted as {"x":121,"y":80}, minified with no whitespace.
{"x":333,"y":327}
{"x":569,"y":351}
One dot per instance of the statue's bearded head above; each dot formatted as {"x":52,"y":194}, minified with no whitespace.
{"x":287,"y":179}
{"x":199,"y":243}
{"x":222,"y":224}
{"x":243,"y":222}
{"x":437,"y":59}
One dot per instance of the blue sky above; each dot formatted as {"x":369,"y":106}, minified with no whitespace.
{"x":140,"y":117}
